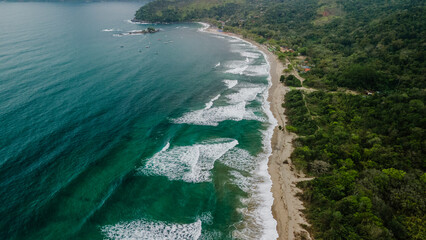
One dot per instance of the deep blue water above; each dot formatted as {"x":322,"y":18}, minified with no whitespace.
{"x":111,"y":135}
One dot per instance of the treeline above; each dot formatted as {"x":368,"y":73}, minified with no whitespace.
{"x":166,"y":11}
{"x":368,"y":159}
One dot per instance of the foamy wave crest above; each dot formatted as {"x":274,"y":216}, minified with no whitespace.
{"x":245,"y":94}
{"x":246,"y":68}
{"x":206,"y":218}
{"x":143,"y":229}
{"x":235,"y":40}
{"x":249,"y":54}
{"x":257,"y":70}
{"x":238,"y":159}
{"x":237,"y":67}
{"x":210,"y":103}
{"x":258,"y":221}
{"x":218,"y":36}
{"x":250,"y":115}
{"x":241,"y":181}
{"x":110,"y":30}
{"x":137,"y":23}
{"x":165,"y":147}
{"x":204,"y":26}
{"x":251,"y":176}
{"x":213,"y":116}
{"x":230,"y":83}
{"x":188,"y":163}
{"x":245,"y":49}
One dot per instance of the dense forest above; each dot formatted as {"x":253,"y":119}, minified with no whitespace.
{"x":366,"y":152}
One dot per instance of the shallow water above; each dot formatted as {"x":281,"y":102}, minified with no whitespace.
{"x":107,"y":134}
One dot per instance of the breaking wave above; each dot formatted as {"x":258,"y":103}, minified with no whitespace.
{"x":187,"y":163}
{"x":144,"y":229}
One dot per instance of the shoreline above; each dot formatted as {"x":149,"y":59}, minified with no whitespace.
{"x":286,"y":207}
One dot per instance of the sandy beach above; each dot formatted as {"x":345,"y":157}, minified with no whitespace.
{"x":286,"y":208}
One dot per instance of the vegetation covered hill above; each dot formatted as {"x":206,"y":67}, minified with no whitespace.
{"x":367,"y":152}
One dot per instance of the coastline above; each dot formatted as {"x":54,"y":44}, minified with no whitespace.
{"x":286,"y":207}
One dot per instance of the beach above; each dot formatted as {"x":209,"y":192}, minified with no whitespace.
{"x":287,"y":207}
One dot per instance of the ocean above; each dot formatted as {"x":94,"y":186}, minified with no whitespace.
{"x":111,"y":134}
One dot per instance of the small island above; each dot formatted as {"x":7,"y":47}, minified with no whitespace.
{"x":148,"y":30}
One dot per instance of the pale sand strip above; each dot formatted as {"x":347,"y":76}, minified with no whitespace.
{"x":287,"y":207}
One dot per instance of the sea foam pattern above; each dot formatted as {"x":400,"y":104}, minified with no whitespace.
{"x":235,"y":111}
{"x":248,"y":65}
{"x":213,"y":116}
{"x":250,"y":173}
{"x":230,"y":83}
{"x":147,"y":230}
{"x":187,"y":163}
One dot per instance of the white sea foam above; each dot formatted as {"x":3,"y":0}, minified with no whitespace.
{"x":251,"y":176}
{"x":238,"y":159}
{"x":131,"y":33}
{"x":165,"y":147}
{"x":218,"y":36}
{"x":144,"y":229}
{"x":137,"y":23}
{"x":213,"y":116}
{"x":210,"y":103}
{"x":204,"y":26}
{"x":230,"y":83}
{"x":211,"y":235}
{"x":234,"y":40}
{"x":263,"y":211}
{"x":246,"y":67}
{"x":237,"y":67}
{"x":206,"y":218}
{"x":249,"y":54}
{"x":257,"y":70}
{"x":259,"y":222}
{"x":241,"y":181}
{"x":110,"y":30}
{"x":245,"y":51}
{"x":187,"y":163}
{"x":245,"y":94}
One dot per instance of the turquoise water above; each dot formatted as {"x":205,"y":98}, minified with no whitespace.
{"x":111,"y":135}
